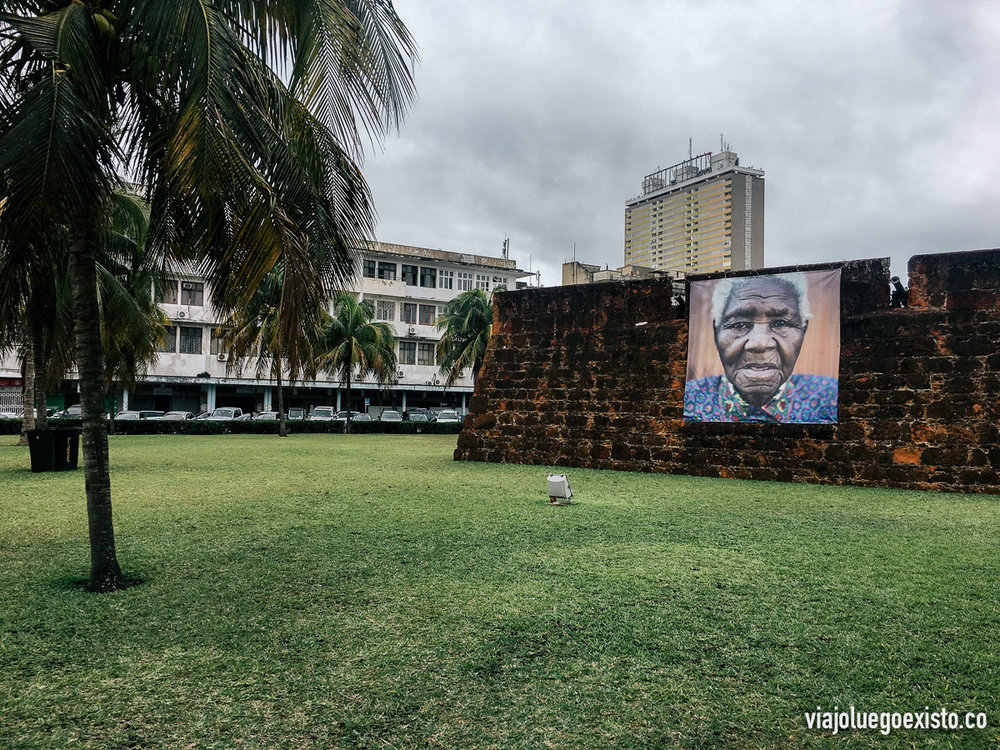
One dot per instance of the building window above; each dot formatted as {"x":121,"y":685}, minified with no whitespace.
{"x":464,"y":281}
{"x":192,"y":293}
{"x":500,"y":281}
{"x":446,"y":279}
{"x":168,"y":293}
{"x":427,"y":315}
{"x":169,"y":340}
{"x":425,"y":354}
{"x":387,"y":270}
{"x":190,"y":340}
{"x":482,"y":282}
{"x":428,"y":277}
{"x":216,"y":344}
{"x":409,"y":312}
{"x":385,"y":310}
{"x":407,"y":352}
{"x":368,"y":269}
{"x":409,"y":274}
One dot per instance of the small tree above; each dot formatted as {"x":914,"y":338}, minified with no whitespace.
{"x":354,"y":343}
{"x":275,"y":331}
{"x":132,"y":324}
{"x":467,"y":323}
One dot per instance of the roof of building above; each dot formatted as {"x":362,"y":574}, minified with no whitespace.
{"x":501,"y":264}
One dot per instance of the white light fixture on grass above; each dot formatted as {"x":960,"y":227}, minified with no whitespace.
{"x":559,"y":491}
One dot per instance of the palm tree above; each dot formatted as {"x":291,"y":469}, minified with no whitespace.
{"x":132,"y":325}
{"x":240,"y":120}
{"x":31,"y":308}
{"x":41,"y":322}
{"x":257,"y":331}
{"x":467,"y":323}
{"x":355,"y":345}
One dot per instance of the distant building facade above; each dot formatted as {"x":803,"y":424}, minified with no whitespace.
{"x":574,"y":272}
{"x":408,"y":287}
{"x":701,"y":215}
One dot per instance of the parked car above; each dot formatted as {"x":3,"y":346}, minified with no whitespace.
{"x":70,"y":412}
{"x":132,"y":415}
{"x":391,"y":415}
{"x":323,"y":413}
{"x":416,"y":411}
{"x":296,"y":412}
{"x":225,"y":412}
{"x":8,"y":415}
{"x":341,"y":416}
{"x":448,"y":415}
{"x":362,"y":417}
{"x":420,"y":417}
{"x":177,"y":416}
{"x":266,"y":416}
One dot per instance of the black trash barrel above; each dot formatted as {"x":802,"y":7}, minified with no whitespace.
{"x":65,"y":448}
{"x":41,"y":449}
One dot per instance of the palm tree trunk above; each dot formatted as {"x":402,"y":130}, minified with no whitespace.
{"x":28,"y":392}
{"x":112,"y":410}
{"x":105,"y":574}
{"x":282,"y":426}
{"x":347,"y":424}
{"x":38,"y":367}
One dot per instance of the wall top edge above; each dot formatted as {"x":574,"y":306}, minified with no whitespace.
{"x":860,"y":263}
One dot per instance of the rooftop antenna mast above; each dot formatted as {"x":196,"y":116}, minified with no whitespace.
{"x":506,"y":248}
{"x":690,"y":148}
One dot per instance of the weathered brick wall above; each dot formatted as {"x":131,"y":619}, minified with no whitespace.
{"x":593,"y":376}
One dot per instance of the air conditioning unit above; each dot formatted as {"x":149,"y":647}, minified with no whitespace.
{"x":222,"y":356}
{"x":411,"y":331}
{"x":461,"y":373}
{"x":399,"y":375}
{"x":188,"y":284}
{"x":182,"y":315}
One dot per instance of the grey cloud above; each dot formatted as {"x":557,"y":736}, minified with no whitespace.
{"x":873,"y":121}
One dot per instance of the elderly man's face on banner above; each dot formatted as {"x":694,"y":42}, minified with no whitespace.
{"x":759,"y":336}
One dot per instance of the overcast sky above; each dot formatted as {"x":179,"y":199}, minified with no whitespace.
{"x":876,"y":123}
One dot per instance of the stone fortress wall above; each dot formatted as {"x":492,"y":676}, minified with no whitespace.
{"x":593,"y":376}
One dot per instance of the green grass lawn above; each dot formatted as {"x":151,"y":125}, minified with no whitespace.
{"x":367,"y":591}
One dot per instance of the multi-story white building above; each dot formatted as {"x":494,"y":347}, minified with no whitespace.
{"x":409,"y":288}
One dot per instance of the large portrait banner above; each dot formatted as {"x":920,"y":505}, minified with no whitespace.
{"x":764,"y":348}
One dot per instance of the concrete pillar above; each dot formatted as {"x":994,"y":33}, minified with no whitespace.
{"x":404,"y":401}
{"x":339,"y":407}
{"x":267,"y":397}
{"x":125,"y":399}
{"x":463,"y":402}
{"x":211,"y":397}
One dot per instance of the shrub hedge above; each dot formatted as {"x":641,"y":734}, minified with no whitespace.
{"x":250,"y":427}
{"x":10,"y":426}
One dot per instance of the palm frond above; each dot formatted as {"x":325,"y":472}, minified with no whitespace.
{"x":355,"y":345}
{"x":467,"y":325}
